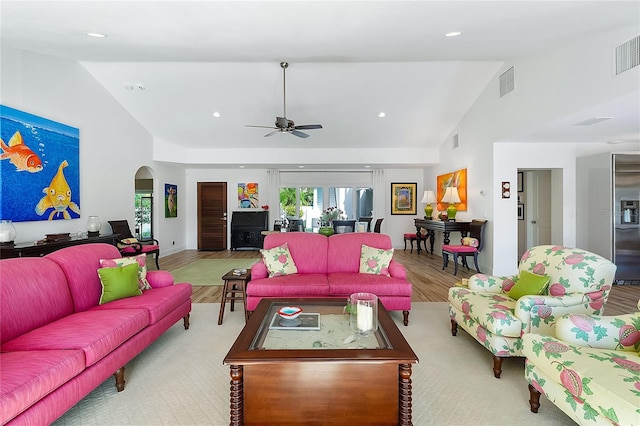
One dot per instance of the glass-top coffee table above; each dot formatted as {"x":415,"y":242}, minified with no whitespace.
{"x":316,"y":372}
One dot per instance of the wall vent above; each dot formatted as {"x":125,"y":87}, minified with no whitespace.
{"x":507,"y":82}
{"x":628,"y":55}
{"x":456,"y":141}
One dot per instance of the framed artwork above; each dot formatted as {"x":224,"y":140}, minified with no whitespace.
{"x":170,"y":200}
{"x":248,"y":195}
{"x":520,"y":211}
{"x":403,"y":198}
{"x":457,"y":179}
{"x":39,"y":168}
{"x":520,"y":181}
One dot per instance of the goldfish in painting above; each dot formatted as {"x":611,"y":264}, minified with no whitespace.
{"x":20,"y":155}
{"x":57,"y":196}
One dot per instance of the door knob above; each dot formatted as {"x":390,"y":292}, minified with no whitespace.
{"x":533,"y":222}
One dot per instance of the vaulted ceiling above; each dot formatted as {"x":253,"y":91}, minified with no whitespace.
{"x":172,"y":64}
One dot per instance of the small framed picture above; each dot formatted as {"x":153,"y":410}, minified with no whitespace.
{"x":403,"y":198}
{"x":520,"y":182}
{"x":520,"y":211}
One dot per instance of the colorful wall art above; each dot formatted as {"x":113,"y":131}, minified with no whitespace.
{"x":248,"y":195}
{"x":403,"y":198}
{"x":457,"y":179}
{"x":39,"y":168}
{"x":170,"y":200}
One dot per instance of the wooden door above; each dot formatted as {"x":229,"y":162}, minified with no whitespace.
{"x":212,"y":215}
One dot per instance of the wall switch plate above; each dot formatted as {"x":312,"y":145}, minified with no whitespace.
{"x":506,"y":189}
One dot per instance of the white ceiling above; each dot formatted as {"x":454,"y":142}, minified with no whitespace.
{"x":348,"y":61}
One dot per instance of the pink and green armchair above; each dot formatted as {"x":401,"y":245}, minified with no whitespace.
{"x":553,"y":281}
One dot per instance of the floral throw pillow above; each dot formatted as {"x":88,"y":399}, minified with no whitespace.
{"x":278,"y":261}
{"x":375,"y":260}
{"x":140,"y":259}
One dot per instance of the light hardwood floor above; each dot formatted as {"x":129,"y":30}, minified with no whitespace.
{"x":430,"y":282}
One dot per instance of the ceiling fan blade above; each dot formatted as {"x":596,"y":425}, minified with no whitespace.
{"x":272,"y":133}
{"x":299,"y":134}
{"x":262,"y":127}
{"x":308,"y":126}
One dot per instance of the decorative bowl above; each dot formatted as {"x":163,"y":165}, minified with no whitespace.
{"x":289,"y":312}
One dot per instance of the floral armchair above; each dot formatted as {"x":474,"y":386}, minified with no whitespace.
{"x":591,"y":371}
{"x":578,"y":282}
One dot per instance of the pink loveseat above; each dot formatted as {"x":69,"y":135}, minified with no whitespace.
{"x":58,"y":344}
{"x":329,"y":267}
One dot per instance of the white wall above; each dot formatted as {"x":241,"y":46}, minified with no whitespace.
{"x":549,"y":86}
{"x":112,"y":144}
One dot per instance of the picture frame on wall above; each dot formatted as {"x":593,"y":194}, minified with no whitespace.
{"x":170,"y":200}
{"x":520,"y":211}
{"x":404,"y":198}
{"x":520,"y":181}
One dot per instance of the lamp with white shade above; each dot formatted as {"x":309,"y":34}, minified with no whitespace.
{"x":429,"y":198}
{"x":451,"y":197}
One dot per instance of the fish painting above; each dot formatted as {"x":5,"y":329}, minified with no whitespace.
{"x":20,"y":155}
{"x":57,"y":196}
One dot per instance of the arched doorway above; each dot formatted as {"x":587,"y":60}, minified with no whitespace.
{"x":143,"y":228}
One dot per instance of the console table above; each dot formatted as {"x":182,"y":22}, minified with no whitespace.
{"x":41,"y":249}
{"x":437,"y":225}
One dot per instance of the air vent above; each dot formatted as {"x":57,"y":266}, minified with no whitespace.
{"x":507,"y":82}
{"x":628,"y":55}
{"x":456,"y":141}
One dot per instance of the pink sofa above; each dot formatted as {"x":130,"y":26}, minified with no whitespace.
{"x":328,"y":267}
{"x":57,"y":344}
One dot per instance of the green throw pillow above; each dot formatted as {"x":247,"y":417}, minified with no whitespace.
{"x":119,"y":282}
{"x":528,"y":284}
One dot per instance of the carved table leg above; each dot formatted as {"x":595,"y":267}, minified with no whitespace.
{"x":534,"y":399}
{"x":497,"y":366}
{"x":454,"y":327}
{"x":237,"y":396}
{"x":119,"y":376}
{"x":405,"y":316}
{"x":404,"y":412}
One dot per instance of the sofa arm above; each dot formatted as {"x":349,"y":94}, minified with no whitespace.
{"x":397,"y":270}
{"x":539,"y":313}
{"x":158,"y":279}
{"x":487,"y":283}
{"x":259,"y":270}
{"x":621,"y":332}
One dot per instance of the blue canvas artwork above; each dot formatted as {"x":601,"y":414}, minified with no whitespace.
{"x":39,"y":168}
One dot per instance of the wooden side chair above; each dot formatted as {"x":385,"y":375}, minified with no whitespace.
{"x":470,"y":246}
{"x":376,"y":227}
{"x":129,"y":245}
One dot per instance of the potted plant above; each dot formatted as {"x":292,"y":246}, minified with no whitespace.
{"x":327,"y":217}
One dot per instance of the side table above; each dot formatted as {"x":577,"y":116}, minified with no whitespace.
{"x":235,"y":287}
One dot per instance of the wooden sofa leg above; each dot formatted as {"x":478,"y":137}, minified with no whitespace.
{"x":186,"y":321}
{"x":497,"y":366}
{"x":454,"y":327}
{"x":119,"y":376}
{"x":534,"y":399}
{"x":405,"y":316}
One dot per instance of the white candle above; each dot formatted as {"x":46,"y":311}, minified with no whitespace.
{"x":5,"y":237}
{"x":365,"y":317}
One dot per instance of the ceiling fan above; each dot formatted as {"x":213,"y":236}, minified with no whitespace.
{"x":283,"y":124}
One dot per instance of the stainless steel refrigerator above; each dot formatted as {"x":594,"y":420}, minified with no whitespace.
{"x":626,"y":217}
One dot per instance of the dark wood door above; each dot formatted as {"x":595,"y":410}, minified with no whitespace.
{"x":212,"y":215}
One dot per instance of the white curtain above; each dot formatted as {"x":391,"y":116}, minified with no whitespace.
{"x":274,"y":195}
{"x":379,"y":194}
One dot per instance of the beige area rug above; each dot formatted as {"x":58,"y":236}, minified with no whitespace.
{"x":209,"y":271}
{"x":180,"y":379}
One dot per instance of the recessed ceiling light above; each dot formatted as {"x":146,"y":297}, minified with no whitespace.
{"x":367,"y":167}
{"x":301,"y":167}
{"x":96,"y":35}
{"x":242,"y":167}
{"x":453,"y":34}
{"x":216,"y":114}
{"x":382,"y":114}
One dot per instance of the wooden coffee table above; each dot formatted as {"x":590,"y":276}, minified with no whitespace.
{"x":293,"y":376}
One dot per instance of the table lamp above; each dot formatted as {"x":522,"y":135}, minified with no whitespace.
{"x":451,"y":197}
{"x":429,"y":198}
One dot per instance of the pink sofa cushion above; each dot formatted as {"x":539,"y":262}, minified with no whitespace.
{"x":95,"y":332}
{"x":157,"y":302}
{"x":308,"y":250}
{"x":29,"y":376}
{"x":80,"y":265}
{"x":344,"y":249}
{"x":33,"y":293}
{"x":347,"y":283}
{"x":290,"y":286}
